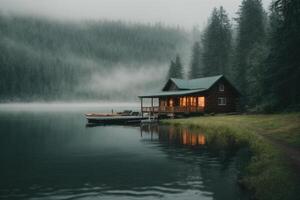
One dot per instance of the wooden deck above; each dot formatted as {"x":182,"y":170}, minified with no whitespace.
{"x":174,"y":109}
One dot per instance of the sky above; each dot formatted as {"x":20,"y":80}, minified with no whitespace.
{"x":185,"y":13}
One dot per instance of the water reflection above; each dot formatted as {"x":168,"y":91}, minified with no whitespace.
{"x":178,"y":135}
{"x":54,"y":156}
{"x":217,"y":166}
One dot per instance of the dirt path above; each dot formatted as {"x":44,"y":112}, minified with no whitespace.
{"x":292,"y":153}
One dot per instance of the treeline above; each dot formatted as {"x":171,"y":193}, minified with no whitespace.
{"x":260,"y":56}
{"x":42,"y":59}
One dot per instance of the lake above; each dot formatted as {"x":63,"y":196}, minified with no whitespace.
{"x":47,"y":152}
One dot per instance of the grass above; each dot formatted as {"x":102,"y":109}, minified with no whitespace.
{"x":268,"y":174}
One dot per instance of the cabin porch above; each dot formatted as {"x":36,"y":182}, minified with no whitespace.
{"x":173,"y":105}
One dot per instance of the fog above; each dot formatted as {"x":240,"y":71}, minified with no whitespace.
{"x":81,"y":107}
{"x":127,"y":82}
{"x":96,"y":60}
{"x":185,"y":13}
{"x":110,"y":81}
{"x":89,"y":60}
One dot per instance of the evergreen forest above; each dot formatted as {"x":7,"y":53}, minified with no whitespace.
{"x":258,"y":51}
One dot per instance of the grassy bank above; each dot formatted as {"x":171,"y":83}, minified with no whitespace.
{"x":269,"y":174}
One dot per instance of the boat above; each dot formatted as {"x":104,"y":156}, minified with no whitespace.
{"x":125,"y":117}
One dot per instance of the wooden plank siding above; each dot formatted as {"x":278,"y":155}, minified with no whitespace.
{"x":214,"y":93}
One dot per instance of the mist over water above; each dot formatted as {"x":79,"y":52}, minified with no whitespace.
{"x":79,"y":107}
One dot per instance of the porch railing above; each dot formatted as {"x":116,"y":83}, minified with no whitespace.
{"x":174,"y":109}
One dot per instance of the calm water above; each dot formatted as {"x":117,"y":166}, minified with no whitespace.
{"x":51,"y":154}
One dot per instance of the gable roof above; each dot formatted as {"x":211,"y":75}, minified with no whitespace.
{"x":188,"y":86}
{"x":193,"y":84}
{"x":172,"y":93}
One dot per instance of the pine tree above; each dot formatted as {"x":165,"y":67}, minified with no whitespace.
{"x":217,"y":44}
{"x":196,"y":70}
{"x":283,"y":74}
{"x":175,"y":69}
{"x":251,"y":35}
{"x":178,"y":67}
{"x":171,"y":72}
{"x":269,"y":100}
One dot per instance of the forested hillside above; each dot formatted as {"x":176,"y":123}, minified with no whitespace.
{"x":53,"y":60}
{"x":259,"y":53}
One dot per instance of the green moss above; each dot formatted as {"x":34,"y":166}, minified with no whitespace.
{"x":268,"y":174}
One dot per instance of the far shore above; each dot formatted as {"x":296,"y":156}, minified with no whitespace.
{"x":82,"y":107}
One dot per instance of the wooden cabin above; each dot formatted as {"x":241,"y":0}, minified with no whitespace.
{"x":213,"y":94}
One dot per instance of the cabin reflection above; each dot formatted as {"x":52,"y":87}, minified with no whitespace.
{"x":190,"y":146}
{"x":173,"y":135}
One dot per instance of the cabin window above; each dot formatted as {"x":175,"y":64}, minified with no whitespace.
{"x":222,"y":101}
{"x":201,"y":101}
{"x":182,"y":101}
{"x":171,"y":102}
{"x":221,"y":87}
{"x":193,"y":101}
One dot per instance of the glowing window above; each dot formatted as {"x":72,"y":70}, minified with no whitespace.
{"x":201,"y":101}
{"x":171,"y":102}
{"x":182,"y":101}
{"x":193,"y":101}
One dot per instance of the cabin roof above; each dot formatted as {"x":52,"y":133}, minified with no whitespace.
{"x":185,"y":87}
{"x":198,"y":83}
{"x":172,"y":93}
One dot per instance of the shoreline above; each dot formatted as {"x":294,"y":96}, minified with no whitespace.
{"x":271,"y":172}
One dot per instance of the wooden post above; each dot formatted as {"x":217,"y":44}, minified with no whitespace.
{"x":158,"y":112}
{"x":152,"y":109}
{"x":186,"y":104}
{"x":197,"y":108}
{"x":142,"y":107}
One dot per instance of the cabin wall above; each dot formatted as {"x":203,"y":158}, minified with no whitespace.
{"x":214,"y":93}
